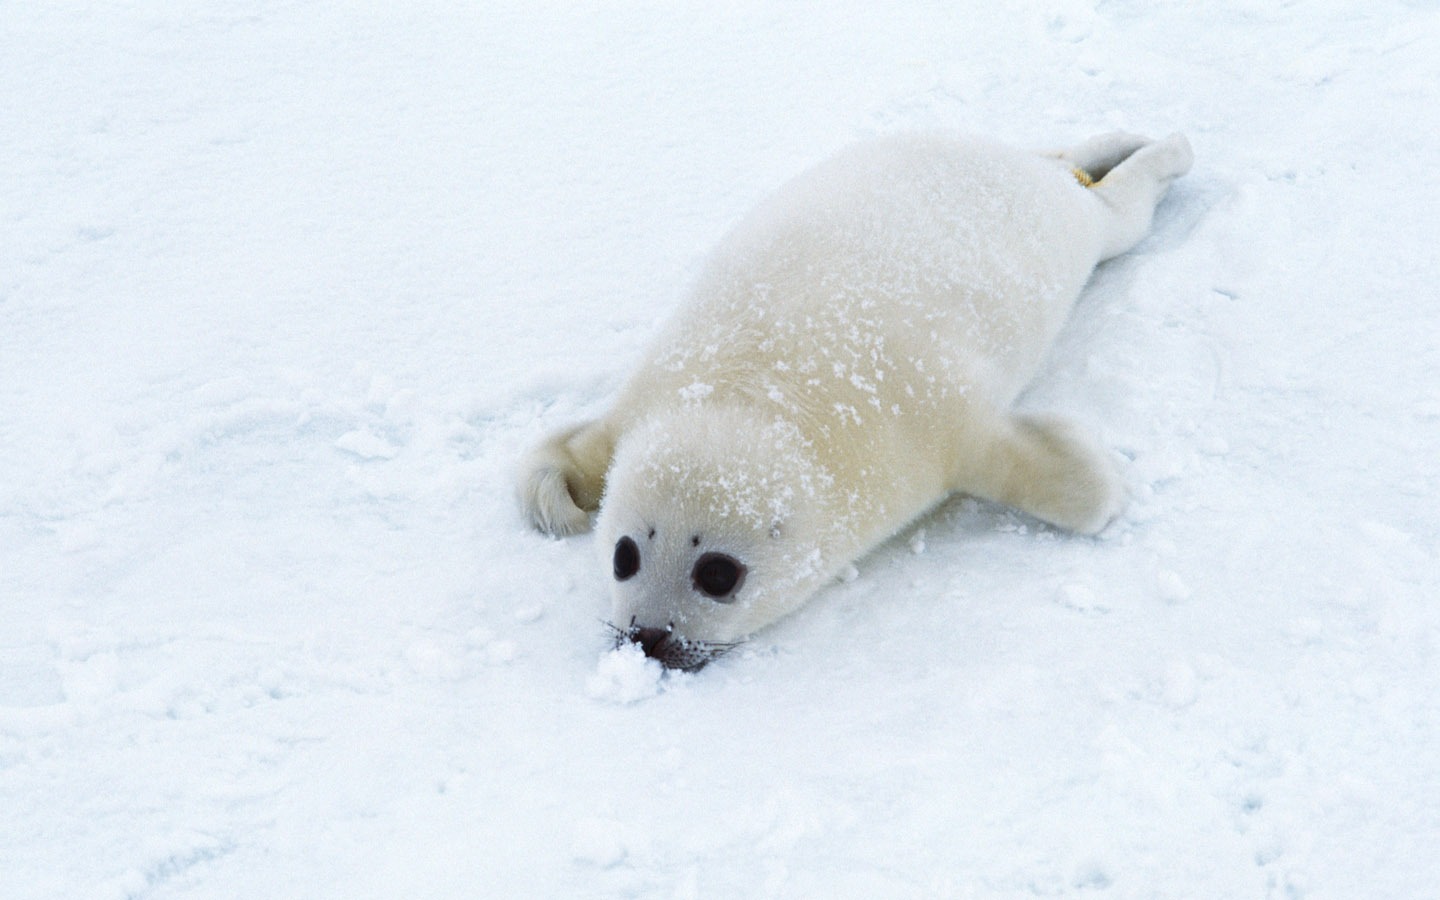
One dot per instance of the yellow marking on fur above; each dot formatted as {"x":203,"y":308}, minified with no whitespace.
{"x":1083,"y":177}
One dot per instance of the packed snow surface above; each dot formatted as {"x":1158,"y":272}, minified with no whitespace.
{"x":287,"y":287}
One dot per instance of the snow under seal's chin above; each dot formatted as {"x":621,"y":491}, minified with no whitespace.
{"x":708,"y":530}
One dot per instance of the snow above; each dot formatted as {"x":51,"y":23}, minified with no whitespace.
{"x":288,"y":287}
{"x":625,"y":675}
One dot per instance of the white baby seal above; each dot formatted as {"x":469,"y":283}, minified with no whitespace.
{"x":847,"y":359}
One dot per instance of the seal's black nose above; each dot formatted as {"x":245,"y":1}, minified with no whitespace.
{"x":650,"y":639}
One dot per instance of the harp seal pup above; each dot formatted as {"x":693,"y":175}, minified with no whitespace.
{"x":847,"y":359}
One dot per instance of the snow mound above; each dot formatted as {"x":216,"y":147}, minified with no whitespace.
{"x":625,"y":675}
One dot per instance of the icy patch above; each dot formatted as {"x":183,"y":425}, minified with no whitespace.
{"x":625,"y":675}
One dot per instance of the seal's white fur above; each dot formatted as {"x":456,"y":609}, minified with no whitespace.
{"x":847,"y":359}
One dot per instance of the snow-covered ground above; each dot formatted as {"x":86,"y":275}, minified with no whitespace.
{"x":285,"y":288}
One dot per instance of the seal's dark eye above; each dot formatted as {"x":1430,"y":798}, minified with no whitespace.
{"x":627,"y":558}
{"x":718,"y":576}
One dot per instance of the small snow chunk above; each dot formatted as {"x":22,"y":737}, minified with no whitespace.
{"x":430,"y":659}
{"x":1170,"y":587}
{"x":501,"y":652}
{"x":598,"y":842}
{"x":624,"y":675}
{"x":917,"y":542}
{"x":530,"y":612}
{"x":365,"y":444}
{"x":1079,"y":597}
{"x":849,"y":574}
{"x":492,"y":650}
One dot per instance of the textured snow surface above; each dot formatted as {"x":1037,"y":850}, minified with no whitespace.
{"x":286,"y":287}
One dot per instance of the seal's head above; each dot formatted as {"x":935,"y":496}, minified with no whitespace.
{"x":712,"y":526}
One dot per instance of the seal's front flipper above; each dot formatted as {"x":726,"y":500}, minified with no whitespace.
{"x":562,"y":479}
{"x":1046,"y":467}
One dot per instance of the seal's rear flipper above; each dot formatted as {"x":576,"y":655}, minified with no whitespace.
{"x":1096,"y":156}
{"x":1130,"y":191}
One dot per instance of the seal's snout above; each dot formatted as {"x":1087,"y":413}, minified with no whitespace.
{"x":671,"y":650}
{"x":650,"y":640}
{"x":674,"y":651}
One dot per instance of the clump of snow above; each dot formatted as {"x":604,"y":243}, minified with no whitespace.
{"x":625,"y":675}
{"x":528,"y":613}
{"x":366,"y":445}
{"x":1079,"y":597}
{"x":917,"y":542}
{"x":1171,"y":587}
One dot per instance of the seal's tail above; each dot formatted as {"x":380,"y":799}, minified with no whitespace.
{"x":1096,"y":156}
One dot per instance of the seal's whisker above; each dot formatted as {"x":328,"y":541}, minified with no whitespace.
{"x":720,"y":649}
{"x":621,"y":635}
{"x":678,"y":652}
